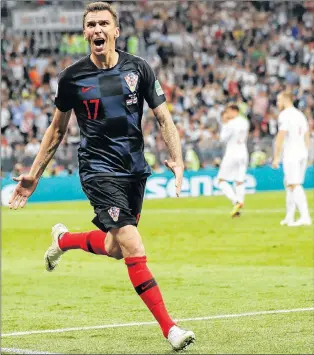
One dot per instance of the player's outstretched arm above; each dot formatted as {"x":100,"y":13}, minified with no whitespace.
{"x":50,"y":142}
{"x":171,"y":137}
{"x":278,"y":148}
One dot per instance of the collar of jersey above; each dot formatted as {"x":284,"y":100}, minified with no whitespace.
{"x":106,"y":69}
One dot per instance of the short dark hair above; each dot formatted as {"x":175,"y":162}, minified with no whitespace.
{"x":233,"y":107}
{"x":101,"y":6}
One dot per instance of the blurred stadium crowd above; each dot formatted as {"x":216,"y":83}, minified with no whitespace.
{"x":206,"y":54}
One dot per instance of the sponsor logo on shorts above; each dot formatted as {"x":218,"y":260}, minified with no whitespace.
{"x":114,"y":213}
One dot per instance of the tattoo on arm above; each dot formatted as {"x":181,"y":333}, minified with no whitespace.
{"x":48,"y":156}
{"x":169,"y":132}
{"x":50,"y":143}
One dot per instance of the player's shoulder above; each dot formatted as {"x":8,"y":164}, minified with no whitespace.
{"x":128,"y":59}
{"x":243,"y":121}
{"x":300,"y":113}
{"x":132,"y":58}
{"x":284,"y":114}
{"x":70,"y":71}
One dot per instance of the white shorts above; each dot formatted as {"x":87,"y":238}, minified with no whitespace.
{"x":233,"y":169}
{"x":294,"y":171}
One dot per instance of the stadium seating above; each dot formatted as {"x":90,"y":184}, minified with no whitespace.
{"x":206,"y":54}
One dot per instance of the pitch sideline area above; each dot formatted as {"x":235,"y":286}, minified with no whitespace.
{"x":135,"y":324}
{"x":27,"y":351}
{"x":243,"y":286}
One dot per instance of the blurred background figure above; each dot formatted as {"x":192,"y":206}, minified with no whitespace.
{"x":258,"y":157}
{"x":18,"y":169}
{"x":206,"y":54}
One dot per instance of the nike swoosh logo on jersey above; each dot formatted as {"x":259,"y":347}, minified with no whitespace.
{"x":87,"y":88}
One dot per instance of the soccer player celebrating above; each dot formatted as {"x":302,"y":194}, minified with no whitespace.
{"x":293,"y":139}
{"x":106,"y":90}
{"x":234,"y":164}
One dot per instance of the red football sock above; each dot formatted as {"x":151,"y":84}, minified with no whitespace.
{"x":92,"y":241}
{"x":147,"y":288}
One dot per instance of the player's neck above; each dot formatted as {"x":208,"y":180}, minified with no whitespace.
{"x":288,"y":106}
{"x":105,"y":61}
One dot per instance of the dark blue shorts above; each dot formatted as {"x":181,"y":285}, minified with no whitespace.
{"x":117,"y":202}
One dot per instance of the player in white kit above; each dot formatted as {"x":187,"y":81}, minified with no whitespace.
{"x":293,"y":141}
{"x":233,"y":167}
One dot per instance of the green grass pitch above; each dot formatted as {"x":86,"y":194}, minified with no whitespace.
{"x":205,"y":263}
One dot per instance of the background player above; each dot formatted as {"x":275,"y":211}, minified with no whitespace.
{"x":293,"y":139}
{"x":234,"y":133}
{"x":106,"y":90}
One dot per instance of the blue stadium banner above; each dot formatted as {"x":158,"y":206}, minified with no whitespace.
{"x":200,"y":183}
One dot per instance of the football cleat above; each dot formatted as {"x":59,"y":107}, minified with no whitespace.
{"x":53,"y":254}
{"x":179,"y":338}
{"x":301,"y":222}
{"x":236,"y":209}
{"x":286,"y":222}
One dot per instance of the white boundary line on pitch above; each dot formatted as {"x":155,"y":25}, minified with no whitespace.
{"x":24,"y":351}
{"x":134,"y":324}
{"x":208,"y":210}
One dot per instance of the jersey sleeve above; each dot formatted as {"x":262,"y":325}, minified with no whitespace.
{"x":226,"y":132}
{"x":282,"y":122}
{"x":247,"y":126}
{"x":150,"y":86}
{"x":63,"y":98}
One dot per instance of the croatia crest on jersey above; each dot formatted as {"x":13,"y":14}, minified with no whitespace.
{"x":131,"y":79}
{"x":114,"y":213}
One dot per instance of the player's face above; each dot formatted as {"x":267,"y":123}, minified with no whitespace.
{"x":101,"y":32}
{"x":224,"y":117}
{"x":230,"y":114}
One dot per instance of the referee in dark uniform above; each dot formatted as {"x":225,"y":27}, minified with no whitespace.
{"x":107,"y":90}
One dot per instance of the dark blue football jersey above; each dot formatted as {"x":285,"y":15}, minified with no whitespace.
{"x":108,"y":104}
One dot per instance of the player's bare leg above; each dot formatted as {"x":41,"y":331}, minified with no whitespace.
{"x":146,"y":286}
{"x":95,"y":242}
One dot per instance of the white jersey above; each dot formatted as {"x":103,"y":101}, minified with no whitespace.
{"x":235,"y":133}
{"x":295,"y":124}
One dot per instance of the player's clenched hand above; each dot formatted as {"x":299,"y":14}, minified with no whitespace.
{"x":23,"y":190}
{"x":177,"y":169}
